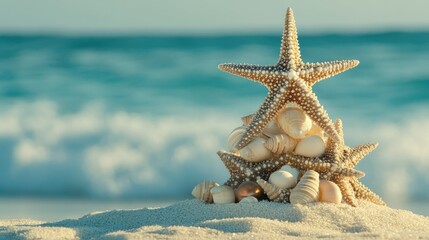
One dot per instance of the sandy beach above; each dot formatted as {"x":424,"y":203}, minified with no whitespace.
{"x":192,"y":219}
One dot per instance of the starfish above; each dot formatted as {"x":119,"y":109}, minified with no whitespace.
{"x":336,"y":165}
{"x":289,"y":81}
{"x":241,"y":170}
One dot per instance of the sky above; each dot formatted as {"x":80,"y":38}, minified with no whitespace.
{"x":208,"y":17}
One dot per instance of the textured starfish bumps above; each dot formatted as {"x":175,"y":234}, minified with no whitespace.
{"x":337,"y":165}
{"x":289,"y":81}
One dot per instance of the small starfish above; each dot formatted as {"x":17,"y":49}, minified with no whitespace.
{"x":290,"y":80}
{"x":337,"y":165}
{"x":241,"y":170}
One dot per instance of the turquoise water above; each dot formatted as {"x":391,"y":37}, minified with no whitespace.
{"x":140,"y":117}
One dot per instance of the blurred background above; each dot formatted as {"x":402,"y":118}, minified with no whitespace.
{"x":119,"y":104}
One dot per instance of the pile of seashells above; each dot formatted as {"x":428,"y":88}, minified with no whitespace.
{"x":291,"y":131}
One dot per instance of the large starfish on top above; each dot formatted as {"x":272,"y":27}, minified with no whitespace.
{"x":289,"y":81}
{"x":336,"y":165}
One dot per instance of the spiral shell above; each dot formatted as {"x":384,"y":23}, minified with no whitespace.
{"x":202,"y":191}
{"x":255,"y":151}
{"x":307,"y":189}
{"x":280,"y":143}
{"x":294,"y":122}
{"x":235,"y":136}
{"x":311,"y":146}
{"x":272,"y":191}
{"x":247,"y":119}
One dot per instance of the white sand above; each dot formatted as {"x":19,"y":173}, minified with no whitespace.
{"x":193,"y":219}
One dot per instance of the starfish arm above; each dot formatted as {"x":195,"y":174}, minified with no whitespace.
{"x":231,"y":162}
{"x":358,"y":153}
{"x":265,"y":75}
{"x":315,"y":72}
{"x":290,"y":56}
{"x":334,"y":150}
{"x":302,"y":163}
{"x":347,"y":192}
{"x":350,"y":172}
{"x":269,"y":109}
{"x":362,"y":192}
{"x":301,"y":94}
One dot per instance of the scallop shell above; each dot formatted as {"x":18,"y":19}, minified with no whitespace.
{"x":249,"y":199}
{"x":272,"y":129}
{"x":282,"y":179}
{"x":281,"y":143}
{"x":223,"y":194}
{"x":202,"y":191}
{"x":294,"y":122}
{"x":235,"y":136}
{"x":247,"y":119}
{"x":255,"y":151}
{"x":272,"y":191}
{"x":307,"y":189}
{"x":329,"y":192}
{"x":311,"y":146}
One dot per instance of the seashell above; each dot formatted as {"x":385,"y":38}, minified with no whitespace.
{"x":329,"y":192}
{"x":272,"y":191}
{"x":223,"y":194}
{"x":282,"y":179}
{"x":307,"y":189}
{"x":249,"y":188}
{"x":272,"y":129}
{"x":249,"y":199}
{"x":316,"y":130}
{"x":235,"y":136}
{"x":281,"y":143}
{"x":311,"y":146}
{"x":202,"y":191}
{"x":255,"y":151}
{"x":247,"y":119}
{"x":294,"y":122}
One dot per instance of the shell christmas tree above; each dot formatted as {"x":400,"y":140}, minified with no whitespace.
{"x":291,"y":128}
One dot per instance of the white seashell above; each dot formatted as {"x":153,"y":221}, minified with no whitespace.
{"x":281,"y":143}
{"x":294,"y":122}
{"x":311,"y":146}
{"x":307,"y":189}
{"x":272,"y":191}
{"x":249,"y":199}
{"x":329,"y":192}
{"x":282,"y":179}
{"x":235,"y":136}
{"x":247,"y":119}
{"x":272,"y":129}
{"x":255,"y":151}
{"x":202,"y":191}
{"x":223,"y":194}
{"x":316,"y":130}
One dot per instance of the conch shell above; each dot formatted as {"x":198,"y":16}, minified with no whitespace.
{"x":202,"y":191}
{"x":294,"y":122}
{"x":247,"y":119}
{"x":281,"y":143}
{"x":307,"y":190}
{"x":255,"y":151}
{"x":273,"y":192}
{"x":311,"y":146}
{"x":235,"y":136}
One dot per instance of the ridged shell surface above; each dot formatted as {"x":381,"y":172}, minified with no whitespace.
{"x":255,"y":151}
{"x":272,"y":191}
{"x":272,"y":129}
{"x":294,"y":122}
{"x":281,"y":143}
{"x":223,"y":194}
{"x":307,"y":189}
{"x":311,"y":146}
{"x":234,"y":137}
{"x":202,"y":191}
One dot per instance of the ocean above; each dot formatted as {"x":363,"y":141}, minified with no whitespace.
{"x":142,"y":117}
